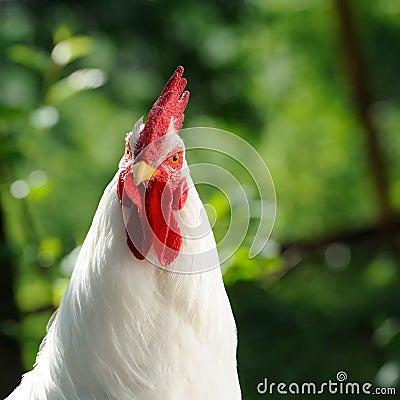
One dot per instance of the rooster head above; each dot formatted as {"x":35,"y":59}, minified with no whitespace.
{"x":152,"y":180}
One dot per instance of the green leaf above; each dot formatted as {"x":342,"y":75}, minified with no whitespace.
{"x":70,"y":49}
{"x":29,"y":57}
{"x":33,"y":294}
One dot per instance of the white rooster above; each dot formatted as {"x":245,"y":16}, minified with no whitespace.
{"x":128,"y":326}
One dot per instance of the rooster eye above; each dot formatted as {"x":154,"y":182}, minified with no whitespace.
{"x":175,"y":158}
{"x":127,"y":152}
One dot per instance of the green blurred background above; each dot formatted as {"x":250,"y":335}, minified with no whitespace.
{"x":312,"y":84}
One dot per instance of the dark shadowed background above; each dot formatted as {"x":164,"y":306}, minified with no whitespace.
{"x":312,"y":85}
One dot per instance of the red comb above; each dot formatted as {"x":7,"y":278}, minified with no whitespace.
{"x":171,"y":103}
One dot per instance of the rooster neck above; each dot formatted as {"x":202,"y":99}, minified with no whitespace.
{"x":124,"y":323}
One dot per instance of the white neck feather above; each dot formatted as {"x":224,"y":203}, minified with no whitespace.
{"x":128,"y":330}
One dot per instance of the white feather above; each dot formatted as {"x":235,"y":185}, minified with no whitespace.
{"x":126,"y":329}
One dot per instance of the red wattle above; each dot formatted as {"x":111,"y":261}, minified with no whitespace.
{"x":151,"y":218}
{"x":167,"y":240}
{"x":138,"y":234}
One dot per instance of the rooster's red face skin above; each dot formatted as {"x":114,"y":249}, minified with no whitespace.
{"x":152,"y":204}
{"x":152,"y":201}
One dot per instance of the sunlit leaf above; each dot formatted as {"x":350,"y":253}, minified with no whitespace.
{"x":82,"y":79}
{"x":70,"y":49}
{"x":29,"y":57}
{"x":33,"y":294}
{"x":50,"y":248}
{"x":380,"y":272}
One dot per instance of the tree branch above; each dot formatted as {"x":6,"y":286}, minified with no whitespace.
{"x":357,"y":76}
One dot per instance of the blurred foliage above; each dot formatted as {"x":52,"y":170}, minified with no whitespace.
{"x":75,"y":76}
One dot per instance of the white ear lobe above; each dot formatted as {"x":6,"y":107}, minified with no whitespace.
{"x":136,"y":132}
{"x":171,"y":127}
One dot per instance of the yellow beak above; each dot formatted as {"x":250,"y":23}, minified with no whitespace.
{"x":143,"y":172}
